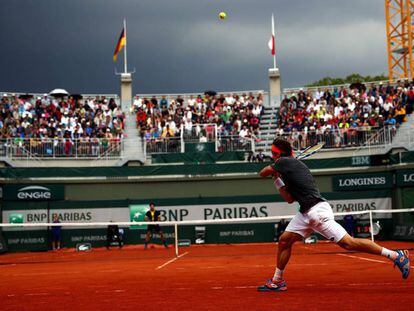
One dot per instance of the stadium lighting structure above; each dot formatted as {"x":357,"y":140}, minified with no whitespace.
{"x":399,"y":28}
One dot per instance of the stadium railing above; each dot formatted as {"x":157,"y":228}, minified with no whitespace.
{"x":163,"y":145}
{"x":363,"y":137}
{"x":198,"y":135}
{"x":177,"y":144}
{"x":294,"y":90}
{"x":16,"y":148}
{"x":186,"y":96}
{"x":341,"y":138}
{"x":373,"y":227}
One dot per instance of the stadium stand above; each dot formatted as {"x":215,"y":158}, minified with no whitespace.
{"x":231,"y":119}
{"x":343,"y":116}
{"x":64,"y":126}
{"x":347,"y":117}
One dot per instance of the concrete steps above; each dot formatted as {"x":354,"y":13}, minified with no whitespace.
{"x":133,"y":149}
{"x":267,"y":129}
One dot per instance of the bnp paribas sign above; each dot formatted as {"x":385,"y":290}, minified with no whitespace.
{"x":33,"y":192}
{"x":362,"y":181}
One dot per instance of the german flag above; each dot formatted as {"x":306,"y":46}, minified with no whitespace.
{"x":121,"y":43}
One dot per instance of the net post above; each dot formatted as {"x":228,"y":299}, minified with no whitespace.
{"x":176,"y":238}
{"x":371,"y":226}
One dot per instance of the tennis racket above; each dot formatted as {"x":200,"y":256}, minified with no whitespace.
{"x":309,"y":151}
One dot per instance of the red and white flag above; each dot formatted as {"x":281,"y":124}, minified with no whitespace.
{"x":271,"y":45}
{"x":272,"y":42}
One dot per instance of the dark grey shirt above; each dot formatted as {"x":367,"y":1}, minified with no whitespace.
{"x":299,"y":182}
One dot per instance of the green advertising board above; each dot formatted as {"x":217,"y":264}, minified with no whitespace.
{"x":137,"y":214}
{"x":16,"y":218}
{"x":362,"y":181}
{"x":200,"y":147}
{"x":405,"y":178}
{"x":26,"y":192}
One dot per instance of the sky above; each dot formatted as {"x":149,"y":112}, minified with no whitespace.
{"x":177,"y":46}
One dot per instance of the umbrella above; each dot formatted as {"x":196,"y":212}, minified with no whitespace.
{"x":76,"y":96}
{"x":210,"y":93}
{"x":358,"y":85}
{"x":25,"y":96}
{"x":59,"y":93}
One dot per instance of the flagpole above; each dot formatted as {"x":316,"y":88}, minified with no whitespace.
{"x":125,"y":49}
{"x":274,"y":43}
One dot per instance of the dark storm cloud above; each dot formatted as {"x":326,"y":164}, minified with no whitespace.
{"x":178,"y":46}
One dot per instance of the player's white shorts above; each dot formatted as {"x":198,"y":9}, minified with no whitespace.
{"x":320,"y":219}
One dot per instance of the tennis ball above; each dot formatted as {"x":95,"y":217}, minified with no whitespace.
{"x":222,"y":15}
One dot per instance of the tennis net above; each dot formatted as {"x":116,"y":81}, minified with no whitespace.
{"x":37,"y":235}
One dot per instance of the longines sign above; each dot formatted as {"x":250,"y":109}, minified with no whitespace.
{"x":405,"y":178}
{"x":362,"y":181}
{"x":33,"y":192}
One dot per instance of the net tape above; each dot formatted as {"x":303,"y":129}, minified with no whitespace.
{"x":193,"y":222}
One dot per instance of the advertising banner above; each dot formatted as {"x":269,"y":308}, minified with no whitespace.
{"x":34,"y":192}
{"x":137,"y":214}
{"x":362,"y":181}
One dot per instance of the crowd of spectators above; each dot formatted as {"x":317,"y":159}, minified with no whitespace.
{"x":342,"y":116}
{"x":234,"y":115}
{"x":69,"y":124}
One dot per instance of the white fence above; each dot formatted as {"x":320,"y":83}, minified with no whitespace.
{"x":294,"y":90}
{"x":341,"y":138}
{"x":333,"y":138}
{"x":94,"y":148}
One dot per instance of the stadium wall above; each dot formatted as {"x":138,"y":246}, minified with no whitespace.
{"x":195,"y":196}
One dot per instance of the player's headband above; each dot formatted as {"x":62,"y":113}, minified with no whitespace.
{"x":276,"y":150}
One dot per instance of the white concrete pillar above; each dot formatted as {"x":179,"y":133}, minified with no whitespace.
{"x":126,"y":91}
{"x":275,"y":93}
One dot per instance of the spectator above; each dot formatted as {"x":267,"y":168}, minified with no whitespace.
{"x":49,"y":126}
{"x":340,"y":118}
{"x":56,"y":233}
{"x":112,"y":235}
{"x":349,"y":223}
{"x":199,"y":115}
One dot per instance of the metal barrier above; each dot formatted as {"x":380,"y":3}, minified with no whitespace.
{"x":186,"y":96}
{"x":163,"y":145}
{"x":177,"y":144}
{"x":61,"y":148}
{"x":333,"y":138}
{"x":332,"y":88}
{"x":235,"y":143}
{"x":341,"y":138}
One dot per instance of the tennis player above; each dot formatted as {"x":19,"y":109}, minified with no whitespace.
{"x":153,"y":215}
{"x":295,"y":183}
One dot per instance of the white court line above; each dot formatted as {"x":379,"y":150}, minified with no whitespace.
{"x":171,"y":260}
{"x":37,"y":294}
{"x":362,"y":258}
{"x":367,"y":259}
{"x":46,"y":273}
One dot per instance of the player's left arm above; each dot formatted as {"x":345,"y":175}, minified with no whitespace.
{"x":283,"y":191}
{"x":268,"y":171}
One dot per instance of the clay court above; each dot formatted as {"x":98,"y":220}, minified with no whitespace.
{"x":208,"y":277}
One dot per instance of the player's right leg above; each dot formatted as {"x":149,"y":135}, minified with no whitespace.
{"x":284,"y":250}
{"x":297,"y":229}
